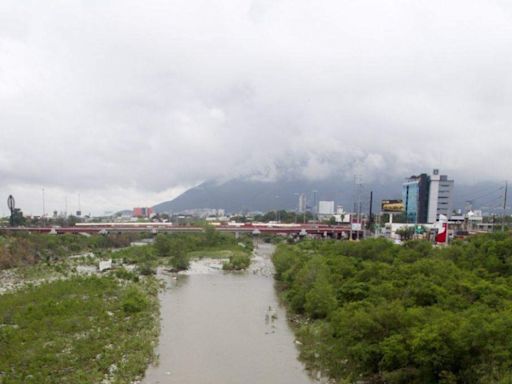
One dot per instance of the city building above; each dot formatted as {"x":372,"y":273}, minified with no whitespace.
{"x":302,"y":203}
{"x":325,"y":210}
{"x":440,"y":196}
{"x":142,"y":212}
{"x":326,"y":207}
{"x":415,"y":192}
{"x":425,"y":197}
{"x":315,"y":202}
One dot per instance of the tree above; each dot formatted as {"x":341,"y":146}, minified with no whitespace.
{"x":320,"y":300}
{"x":211,"y":236}
{"x":180,"y":262}
{"x":162,"y":245}
{"x":18,"y":218}
{"x":405,"y":233}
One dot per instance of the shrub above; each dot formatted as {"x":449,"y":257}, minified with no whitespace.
{"x":237,"y":262}
{"x":134,"y":301}
{"x":123,"y":274}
{"x":146,"y":270}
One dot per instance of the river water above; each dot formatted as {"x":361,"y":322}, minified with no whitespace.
{"x":225,"y":328}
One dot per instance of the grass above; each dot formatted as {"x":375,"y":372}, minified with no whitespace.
{"x":38,"y":271}
{"x":81,"y":330}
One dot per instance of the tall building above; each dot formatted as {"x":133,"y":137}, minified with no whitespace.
{"x":302,"y":203}
{"x":314,"y":208}
{"x":415,"y":195}
{"x":440,"y":196}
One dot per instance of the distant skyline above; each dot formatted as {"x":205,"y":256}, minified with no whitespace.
{"x":130,"y":103}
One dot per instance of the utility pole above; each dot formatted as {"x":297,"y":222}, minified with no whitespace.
{"x":44,"y":213}
{"x":277,"y":208}
{"x":359,"y":188}
{"x":370,"y":214}
{"x":504,"y":207}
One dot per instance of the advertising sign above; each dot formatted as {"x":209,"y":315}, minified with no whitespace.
{"x":356,"y":226}
{"x":392,"y":206}
{"x":441,"y":236}
{"x":442,"y":229}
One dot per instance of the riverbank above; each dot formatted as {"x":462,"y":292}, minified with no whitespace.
{"x":75,"y":317}
{"x":93,"y":329}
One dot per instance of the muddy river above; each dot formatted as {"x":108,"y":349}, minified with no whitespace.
{"x":223,"y":328}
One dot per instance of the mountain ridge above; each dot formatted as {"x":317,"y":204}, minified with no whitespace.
{"x":245,"y":195}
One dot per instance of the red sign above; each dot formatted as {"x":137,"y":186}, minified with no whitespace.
{"x":442,"y":234}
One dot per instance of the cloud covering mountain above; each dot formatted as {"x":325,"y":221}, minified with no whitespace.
{"x":130,"y":103}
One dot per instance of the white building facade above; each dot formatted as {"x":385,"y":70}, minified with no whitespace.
{"x":302,"y":203}
{"x":440,"y":196}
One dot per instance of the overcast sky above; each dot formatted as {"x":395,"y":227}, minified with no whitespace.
{"x":128,"y":103}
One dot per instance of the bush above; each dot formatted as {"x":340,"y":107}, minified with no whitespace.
{"x":180,"y":262}
{"x":146,"y":270}
{"x":123,"y":274}
{"x":403,"y":314}
{"x":237,"y":262}
{"x":134,"y":301}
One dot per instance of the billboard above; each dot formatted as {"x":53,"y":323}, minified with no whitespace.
{"x":356,"y":226}
{"x":392,"y":206}
{"x":326,"y":207}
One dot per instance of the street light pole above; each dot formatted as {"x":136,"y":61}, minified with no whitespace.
{"x":504,"y":207}
{"x":277,"y":209}
{"x":297,"y":207}
{"x":44,"y":213}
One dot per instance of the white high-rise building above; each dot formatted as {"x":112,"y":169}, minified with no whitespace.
{"x":314,"y":207}
{"x":302,"y":203}
{"x":440,"y":196}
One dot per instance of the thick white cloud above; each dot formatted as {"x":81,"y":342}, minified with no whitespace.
{"x":130,"y":102}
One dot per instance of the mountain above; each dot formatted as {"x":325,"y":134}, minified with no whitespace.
{"x":243,"y":195}
{"x":248,"y":195}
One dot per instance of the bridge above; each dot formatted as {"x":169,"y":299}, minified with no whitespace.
{"x":323,"y":230}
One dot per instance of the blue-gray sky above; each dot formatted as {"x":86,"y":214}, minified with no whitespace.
{"x":130,"y":102}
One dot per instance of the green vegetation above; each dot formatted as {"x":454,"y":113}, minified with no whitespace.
{"x":405,"y":233}
{"x":81,"y":330}
{"x":376,"y":312}
{"x":174,"y":250}
{"x":27,"y":249}
{"x":178,"y":249}
{"x":237,"y":262}
{"x":271,"y":239}
{"x":58,"y":325}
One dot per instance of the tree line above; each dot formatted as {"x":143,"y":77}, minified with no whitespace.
{"x":383,"y":313}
